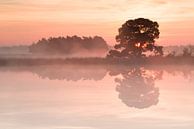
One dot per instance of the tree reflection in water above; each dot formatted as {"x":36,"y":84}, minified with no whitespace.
{"x":137,"y":87}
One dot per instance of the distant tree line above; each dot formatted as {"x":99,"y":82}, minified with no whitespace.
{"x":69,"y":45}
{"x":184,"y":51}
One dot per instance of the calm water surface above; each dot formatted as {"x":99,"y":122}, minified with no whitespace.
{"x":97,"y":97}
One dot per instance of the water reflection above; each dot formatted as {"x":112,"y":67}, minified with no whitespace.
{"x":63,"y":72}
{"x":92,"y":97}
{"x":135,"y":85}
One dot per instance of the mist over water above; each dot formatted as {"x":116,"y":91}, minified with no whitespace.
{"x":20,"y":52}
{"x":93,"y":96}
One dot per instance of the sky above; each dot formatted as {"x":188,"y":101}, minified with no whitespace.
{"x":27,"y":21}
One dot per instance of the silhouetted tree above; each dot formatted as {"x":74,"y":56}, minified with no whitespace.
{"x":135,"y":37}
{"x":171,"y":54}
{"x":187,"y":52}
{"x":70,"y":45}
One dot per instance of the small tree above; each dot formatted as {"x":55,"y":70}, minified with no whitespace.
{"x":187,"y":52}
{"x":135,"y":37}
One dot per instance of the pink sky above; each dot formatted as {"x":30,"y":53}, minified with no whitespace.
{"x":26,"y":21}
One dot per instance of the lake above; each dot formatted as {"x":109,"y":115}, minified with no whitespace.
{"x":96,"y":97}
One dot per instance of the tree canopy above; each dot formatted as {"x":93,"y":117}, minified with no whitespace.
{"x":136,"y":37}
{"x":70,"y":45}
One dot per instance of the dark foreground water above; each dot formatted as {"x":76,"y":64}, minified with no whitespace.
{"x":97,"y":97}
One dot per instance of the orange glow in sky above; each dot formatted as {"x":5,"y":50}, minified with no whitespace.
{"x":26,"y":21}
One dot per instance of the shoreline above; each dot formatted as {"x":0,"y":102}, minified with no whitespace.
{"x":98,"y":61}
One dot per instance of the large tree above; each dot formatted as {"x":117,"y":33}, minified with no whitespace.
{"x":136,"y":37}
